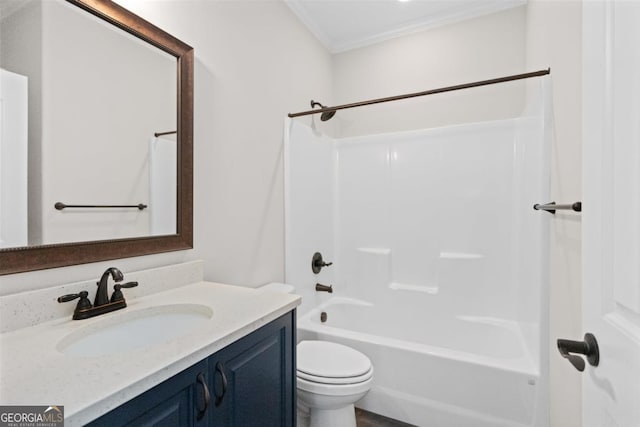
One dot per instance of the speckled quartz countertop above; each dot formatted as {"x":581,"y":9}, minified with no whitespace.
{"x":34,"y":372}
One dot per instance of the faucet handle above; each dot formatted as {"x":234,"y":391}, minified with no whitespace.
{"x":84,"y":302}
{"x":317,"y":263}
{"x":117,"y":293}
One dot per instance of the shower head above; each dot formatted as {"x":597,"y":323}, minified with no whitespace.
{"x":327,"y":114}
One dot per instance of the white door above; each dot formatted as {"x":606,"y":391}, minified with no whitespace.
{"x":611,"y":214}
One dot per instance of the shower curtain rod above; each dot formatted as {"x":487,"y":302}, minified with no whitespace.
{"x":426,"y":92}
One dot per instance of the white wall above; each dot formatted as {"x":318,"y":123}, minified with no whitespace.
{"x":478,"y":49}
{"x":554,"y":39}
{"x":254,"y":62}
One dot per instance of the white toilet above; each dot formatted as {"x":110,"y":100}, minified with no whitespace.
{"x":331,"y":377}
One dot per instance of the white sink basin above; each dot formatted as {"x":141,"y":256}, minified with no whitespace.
{"x":135,"y":329}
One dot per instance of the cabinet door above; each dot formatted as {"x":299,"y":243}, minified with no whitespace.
{"x":253,"y":379}
{"x":178,"y":401}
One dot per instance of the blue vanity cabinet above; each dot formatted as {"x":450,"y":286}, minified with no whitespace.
{"x":251,"y":382}
{"x":174,"y":402}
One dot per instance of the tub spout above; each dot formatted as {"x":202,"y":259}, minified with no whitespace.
{"x":323,"y":288}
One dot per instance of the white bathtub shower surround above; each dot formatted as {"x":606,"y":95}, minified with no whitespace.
{"x":491,"y":341}
{"x":309,"y":203}
{"x":444,"y":211}
{"x":474,"y":372}
{"x":433,"y":235}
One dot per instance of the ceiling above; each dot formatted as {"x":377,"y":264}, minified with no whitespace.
{"x":342,"y":25}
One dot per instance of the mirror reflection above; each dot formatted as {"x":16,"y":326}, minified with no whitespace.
{"x":81,"y":102}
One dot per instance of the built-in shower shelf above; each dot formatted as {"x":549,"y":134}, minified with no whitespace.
{"x":427,"y":289}
{"x":459,"y":255}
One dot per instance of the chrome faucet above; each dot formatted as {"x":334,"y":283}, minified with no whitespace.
{"x":102,"y":295}
{"x":324,"y":288}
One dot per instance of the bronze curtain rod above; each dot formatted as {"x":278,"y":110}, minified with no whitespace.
{"x":426,"y":92}
{"x":157,"y":134}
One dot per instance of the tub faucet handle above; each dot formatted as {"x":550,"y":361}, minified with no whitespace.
{"x":317,"y":263}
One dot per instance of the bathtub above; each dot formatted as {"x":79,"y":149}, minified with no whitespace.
{"x":442,"y":370}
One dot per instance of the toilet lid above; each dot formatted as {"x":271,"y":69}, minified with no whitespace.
{"x":331,"y":360}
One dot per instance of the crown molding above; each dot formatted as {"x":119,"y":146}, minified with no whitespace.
{"x":304,"y":16}
{"x":411,"y":27}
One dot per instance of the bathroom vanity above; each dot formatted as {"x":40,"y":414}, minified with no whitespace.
{"x":191,"y":353}
{"x":248,"y":382}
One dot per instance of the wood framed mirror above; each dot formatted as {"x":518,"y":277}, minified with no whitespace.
{"x":38,"y":255}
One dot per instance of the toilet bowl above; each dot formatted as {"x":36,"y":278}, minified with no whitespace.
{"x":331,"y":378}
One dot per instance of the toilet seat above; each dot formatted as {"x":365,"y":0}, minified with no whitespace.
{"x":337,"y":381}
{"x":332,"y":363}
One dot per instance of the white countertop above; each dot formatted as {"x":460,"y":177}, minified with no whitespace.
{"x":34,"y":372}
